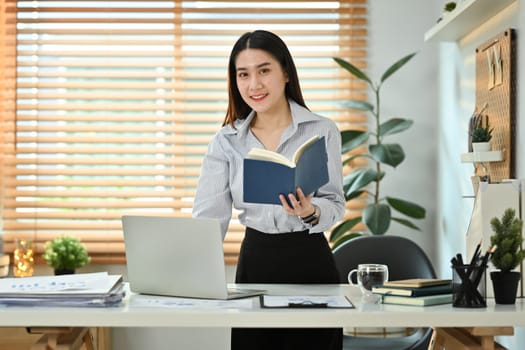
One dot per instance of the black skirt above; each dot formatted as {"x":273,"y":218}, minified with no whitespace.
{"x":292,"y":258}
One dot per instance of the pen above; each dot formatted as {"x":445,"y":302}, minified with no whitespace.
{"x":459,"y":259}
{"x":475,"y":256}
{"x":474,"y":260}
{"x":484,"y":262}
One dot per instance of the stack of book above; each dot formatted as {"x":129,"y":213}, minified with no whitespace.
{"x":416,"y":291}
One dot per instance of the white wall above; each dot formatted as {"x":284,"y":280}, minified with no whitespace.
{"x":396,"y":29}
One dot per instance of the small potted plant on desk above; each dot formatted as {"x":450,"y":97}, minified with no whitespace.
{"x":65,"y":255}
{"x":508,"y":255}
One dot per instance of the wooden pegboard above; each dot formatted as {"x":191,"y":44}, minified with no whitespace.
{"x":496,"y":89}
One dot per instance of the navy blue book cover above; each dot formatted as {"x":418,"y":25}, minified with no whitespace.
{"x":265,"y":180}
{"x":413,"y":292}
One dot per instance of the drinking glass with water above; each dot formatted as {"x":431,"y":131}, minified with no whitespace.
{"x":368,"y":275}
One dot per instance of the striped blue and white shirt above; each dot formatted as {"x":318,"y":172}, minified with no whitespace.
{"x":220,"y":185}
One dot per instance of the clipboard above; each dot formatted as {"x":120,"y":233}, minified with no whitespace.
{"x":305,"y":302}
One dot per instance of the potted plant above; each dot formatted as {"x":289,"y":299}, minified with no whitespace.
{"x":481,"y":134}
{"x":507,"y":239}
{"x":449,"y":7}
{"x":65,"y":254}
{"x":372,"y":146}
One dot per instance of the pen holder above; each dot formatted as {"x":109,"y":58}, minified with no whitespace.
{"x":468,"y":286}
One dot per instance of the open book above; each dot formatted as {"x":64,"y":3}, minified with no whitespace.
{"x":268,"y":174}
{"x":270,"y":156}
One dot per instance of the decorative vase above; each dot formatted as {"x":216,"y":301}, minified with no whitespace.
{"x":481,"y":146}
{"x":505,"y":286}
{"x":64,"y":272}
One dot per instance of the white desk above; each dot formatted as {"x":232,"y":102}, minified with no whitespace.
{"x":364,"y":315}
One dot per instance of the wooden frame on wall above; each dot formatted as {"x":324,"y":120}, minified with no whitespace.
{"x":496,"y":92}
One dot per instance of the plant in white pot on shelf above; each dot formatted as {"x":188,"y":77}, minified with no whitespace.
{"x":481,"y":134}
{"x":507,"y":239}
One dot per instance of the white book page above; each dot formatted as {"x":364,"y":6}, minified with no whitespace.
{"x":263,"y":154}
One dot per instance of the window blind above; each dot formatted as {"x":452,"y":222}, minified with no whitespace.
{"x":116,"y":102}
{"x":7,"y":88}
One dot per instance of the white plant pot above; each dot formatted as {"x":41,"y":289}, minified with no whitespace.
{"x":481,"y":146}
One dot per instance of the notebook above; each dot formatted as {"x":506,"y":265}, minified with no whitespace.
{"x":180,"y":257}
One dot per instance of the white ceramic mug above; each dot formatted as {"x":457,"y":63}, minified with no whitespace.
{"x":369,"y":275}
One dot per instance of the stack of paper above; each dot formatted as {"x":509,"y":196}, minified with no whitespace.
{"x":89,"y":289}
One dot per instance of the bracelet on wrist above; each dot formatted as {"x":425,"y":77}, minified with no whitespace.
{"x":312,"y":217}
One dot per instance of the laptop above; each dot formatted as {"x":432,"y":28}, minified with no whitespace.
{"x":180,"y":257}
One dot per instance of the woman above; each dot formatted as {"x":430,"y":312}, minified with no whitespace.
{"x":283,"y":243}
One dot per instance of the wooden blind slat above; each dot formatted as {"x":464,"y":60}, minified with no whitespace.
{"x":347,"y":32}
{"x":116,"y":151}
{"x":101,"y":171}
{"x":143,"y":41}
{"x":214,"y":21}
{"x":76,"y":182}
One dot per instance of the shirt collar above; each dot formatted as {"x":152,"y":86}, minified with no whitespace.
{"x":299,"y":115}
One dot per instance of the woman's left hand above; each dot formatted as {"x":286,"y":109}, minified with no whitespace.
{"x":301,"y":205}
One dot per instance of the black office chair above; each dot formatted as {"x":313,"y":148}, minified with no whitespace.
{"x":405,"y":259}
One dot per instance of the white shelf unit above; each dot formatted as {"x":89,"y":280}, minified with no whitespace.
{"x":482,"y":157}
{"x":468,"y":15}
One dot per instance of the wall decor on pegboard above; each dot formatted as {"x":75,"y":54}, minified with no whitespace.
{"x":496,"y":96}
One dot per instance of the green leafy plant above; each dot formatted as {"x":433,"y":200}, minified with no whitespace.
{"x":450,"y":6}
{"x":507,"y":238}
{"x":66,"y":253}
{"x":371,"y":145}
{"x":481,"y":133}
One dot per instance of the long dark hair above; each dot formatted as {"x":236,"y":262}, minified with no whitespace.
{"x":272,"y":44}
